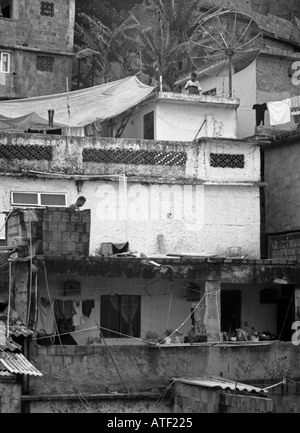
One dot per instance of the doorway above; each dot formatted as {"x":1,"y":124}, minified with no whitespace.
{"x":231,"y":301}
{"x":286,"y":313}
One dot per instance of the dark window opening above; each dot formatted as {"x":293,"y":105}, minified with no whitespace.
{"x":120,"y":316}
{"x":6,"y":8}
{"x":149,"y":126}
{"x":230,"y":310}
{"x":286,"y":312}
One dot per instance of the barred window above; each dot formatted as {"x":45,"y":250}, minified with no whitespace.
{"x":26,"y":152}
{"x":47,"y":9}
{"x":223,"y":160}
{"x":44,"y":63}
{"x":139,"y":157}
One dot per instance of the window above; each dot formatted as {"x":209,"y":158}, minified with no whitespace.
{"x":6,"y":8}
{"x":5,"y":63}
{"x":120,"y":316}
{"x":222,"y":160}
{"x":47,"y":9}
{"x":149,"y":126}
{"x":211,"y":92}
{"x":35,"y":199}
{"x":44,"y":63}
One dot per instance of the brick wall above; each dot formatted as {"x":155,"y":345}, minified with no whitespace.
{"x":54,"y":231}
{"x":31,"y":29}
{"x":285,"y":246}
{"x":198,"y":399}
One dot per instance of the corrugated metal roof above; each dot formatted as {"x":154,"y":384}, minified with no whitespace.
{"x":18,"y":364}
{"x":18,"y":330}
{"x":218,"y":382}
{"x":5,"y":374}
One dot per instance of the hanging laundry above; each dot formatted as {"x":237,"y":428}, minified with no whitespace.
{"x":87,"y":307}
{"x":260,"y":113}
{"x":78,"y":317}
{"x":295,"y":108}
{"x":64,"y":312}
{"x":45,"y":321}
{"x":280,"y":112}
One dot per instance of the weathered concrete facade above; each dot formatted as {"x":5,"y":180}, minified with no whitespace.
{"x":178,"y":189}
{"x":38,"y":36}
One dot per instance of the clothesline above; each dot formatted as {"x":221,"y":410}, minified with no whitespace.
{"x":280,"y":112}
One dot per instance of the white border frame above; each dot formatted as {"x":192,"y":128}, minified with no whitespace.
{"x":1,"y":62}
{"x":13,"y":204}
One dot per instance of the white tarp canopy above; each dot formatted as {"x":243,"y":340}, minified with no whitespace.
{"x":96,"y":103}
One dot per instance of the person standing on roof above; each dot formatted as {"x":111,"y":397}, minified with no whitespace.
{"x":193,"y":85}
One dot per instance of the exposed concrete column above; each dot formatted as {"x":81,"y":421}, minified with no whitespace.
{"x":20,"y":275}
{"x":212,"y":318}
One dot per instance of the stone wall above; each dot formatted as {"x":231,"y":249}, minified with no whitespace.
{"x":10,"y":395}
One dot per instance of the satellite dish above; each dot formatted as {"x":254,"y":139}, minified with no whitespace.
{"x":224,"y":43}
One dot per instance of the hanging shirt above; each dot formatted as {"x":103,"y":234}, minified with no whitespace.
{"x":45,"y":322}
{"x":280,"y":112}
{"x":78,"y":317}
{"x":260,"y":113}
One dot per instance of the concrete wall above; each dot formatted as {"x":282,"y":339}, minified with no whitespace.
{"x":90,"y":369}
{"x":188,"y":217}
{"x":10,"y":395}
{"x":282,"y":210}
{"x":198,"y":399}
{"x":180,"y":118}
{"x":182,"y":122}
{"x":102,"y":404}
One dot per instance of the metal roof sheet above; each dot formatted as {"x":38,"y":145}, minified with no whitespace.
{"x":218,"y":382}
{"x":18,"y":364}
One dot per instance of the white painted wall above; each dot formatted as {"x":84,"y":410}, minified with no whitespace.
{"x":181,"y":120}
{"x":250,"y":173}
{"x":191,"y":218}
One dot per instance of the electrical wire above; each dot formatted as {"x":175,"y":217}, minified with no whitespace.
{"x":81,"y":398}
